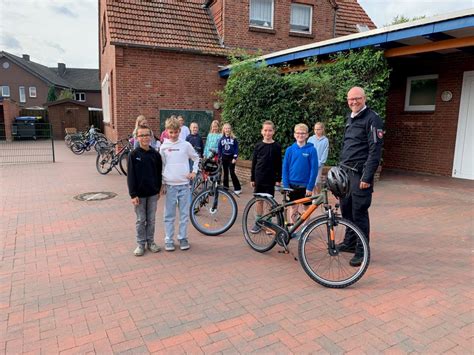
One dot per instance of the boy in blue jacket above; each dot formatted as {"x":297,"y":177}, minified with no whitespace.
{"x":300,"y":167}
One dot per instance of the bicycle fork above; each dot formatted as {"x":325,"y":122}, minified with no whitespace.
{"x":331,"y":234}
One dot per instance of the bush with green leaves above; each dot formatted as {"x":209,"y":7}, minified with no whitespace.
{"x":255,"y":93}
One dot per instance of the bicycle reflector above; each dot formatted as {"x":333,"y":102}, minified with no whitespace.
{"x":338,"y":182}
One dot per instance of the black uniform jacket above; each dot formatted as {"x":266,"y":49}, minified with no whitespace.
{"x":362,"y":144}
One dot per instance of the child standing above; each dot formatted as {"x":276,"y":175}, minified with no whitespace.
{"x":212,"y":139}
{"x":228,"y":150}
{"x":266,"y":166}
{"x":321,"y":143}
{"x":142,"y":121}
{"x":176,"y":154}
{"x":184,"y":129}
{"x":144,"y":184}
{"x":300,"y":167}
{"x":195,"y":139}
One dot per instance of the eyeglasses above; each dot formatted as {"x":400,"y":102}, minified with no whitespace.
{"x":354,"y":98}
{"x":143,"y":135}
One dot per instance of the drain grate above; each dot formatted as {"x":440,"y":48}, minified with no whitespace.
{"x":95,"y":196}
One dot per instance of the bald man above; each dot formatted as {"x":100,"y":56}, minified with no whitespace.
{"x":362,"y":150}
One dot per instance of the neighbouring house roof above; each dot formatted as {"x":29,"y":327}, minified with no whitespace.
{"x":74,"y":78}
{"x":81,"y":79}
{"x":167,"y":24}
{"x":188,"y":26}
{"x":349,"y":15}
{"x":64,"y":101}
{"x":441,"y":34}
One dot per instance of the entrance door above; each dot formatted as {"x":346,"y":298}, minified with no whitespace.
{"x":464,"y":151}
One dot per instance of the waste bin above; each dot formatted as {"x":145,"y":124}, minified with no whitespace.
{"x":24,"y":127}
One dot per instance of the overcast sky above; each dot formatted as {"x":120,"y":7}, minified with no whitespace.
{"x":53,"y":31}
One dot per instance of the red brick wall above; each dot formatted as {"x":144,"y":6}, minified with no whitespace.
{"x":151,"y":80}
{"x":238,"y":33}
{"x":424,"y":141}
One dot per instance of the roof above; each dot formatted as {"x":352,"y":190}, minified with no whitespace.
{"x":167,"y":24}
{"x":450,"y":27}
{"x":81,"y":79}
{"x":350,"y":14}
{"x":64,"y":101}
{"x":74,"y":78}
{"x":186,"y":25}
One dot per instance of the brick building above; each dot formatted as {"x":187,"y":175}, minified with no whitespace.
{"x":160,"y":57}
{"x":430,"y":110}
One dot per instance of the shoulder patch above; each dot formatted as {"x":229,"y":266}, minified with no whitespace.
{"x":380,"y":133}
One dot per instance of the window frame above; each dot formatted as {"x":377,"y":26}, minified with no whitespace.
{"x":310,"y":18}
{"x":271,"y":27}
{"x":412,"y":108}
{"x":80,"y":93}
{"x":2,"y":90}
{"x":20,"y":89}
{"x":30,"y":92}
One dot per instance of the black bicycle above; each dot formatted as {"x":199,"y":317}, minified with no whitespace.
{"x":213,"y":208}
{"x":109,"y":156}
{"x":264,"y":225}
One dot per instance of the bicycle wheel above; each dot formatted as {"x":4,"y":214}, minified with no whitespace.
{"x":210,"y":216}
{"x":77,"y":148}
{"x":257,"y":238}
{"x":103,"y":163}
{"x":123,"y":162}
{"x":100,"y":144}
{"x":326,"y":268}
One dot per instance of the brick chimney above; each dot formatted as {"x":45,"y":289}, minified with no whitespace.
{"x":61,"y":69}
{"x":26,"y":57}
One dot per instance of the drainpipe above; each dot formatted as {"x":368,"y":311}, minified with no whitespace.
{"x":334,"y":21}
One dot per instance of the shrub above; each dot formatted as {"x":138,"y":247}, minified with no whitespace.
{"x":256,"y":92}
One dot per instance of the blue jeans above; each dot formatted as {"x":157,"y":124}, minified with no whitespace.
{"x":145,"y":224}
{"x":182,"y":195}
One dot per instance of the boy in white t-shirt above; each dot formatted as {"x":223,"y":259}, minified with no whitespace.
{"x":175,"y":154}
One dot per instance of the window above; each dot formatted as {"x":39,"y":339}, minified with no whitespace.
{"x":79,"y":96}
{"x":421,"y":93}
{"x":301,"y":18}
{"x":261,"y":13}
{"x":5,"y":91}
{"x":22,"y":94}
{"x":106,"y":99}
{"x":32,"y":91}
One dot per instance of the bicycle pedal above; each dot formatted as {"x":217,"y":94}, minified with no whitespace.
{"x":284,"y":251}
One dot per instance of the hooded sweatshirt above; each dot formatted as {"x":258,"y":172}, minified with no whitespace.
{"x":175,"y":157}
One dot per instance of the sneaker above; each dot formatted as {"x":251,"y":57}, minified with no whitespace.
{"x":153,"y":247}
{"x":255,"y":229}
{"x":344,"y":248}
{"x":356,"y":260}
{"x":237,"y":192}
{"x":184,"y":244}
{"x":139,"y":250}
{"x":169,"y":247}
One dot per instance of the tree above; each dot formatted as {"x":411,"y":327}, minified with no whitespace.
{"x":66,"y":94}
{"x":51,"y":94}
{"x":402,"y":19}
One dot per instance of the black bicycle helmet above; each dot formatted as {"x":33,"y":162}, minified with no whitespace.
{"x":338,"y":182}
{"x":210,"y":166}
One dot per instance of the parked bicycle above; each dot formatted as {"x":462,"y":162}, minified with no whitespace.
{"x":213,"y":208}
{"x":264,"y":225}
{"x":86,"y":140}
{"x":109,"y":157}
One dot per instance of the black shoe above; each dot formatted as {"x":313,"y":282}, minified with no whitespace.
{"x":356,"y":260}
{"x":344,"y":248}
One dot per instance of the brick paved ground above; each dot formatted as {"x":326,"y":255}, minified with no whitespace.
{"x":70,"y":284}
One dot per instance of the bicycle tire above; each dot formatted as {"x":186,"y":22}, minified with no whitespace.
{"x":313,"y":251}
{"x":100,"y":144}
{"x":77,"y":148}
{"x":210,"y":222}
{"x":103,"y":163}
{"x":123,"y":162}
{"x":260,"y":241}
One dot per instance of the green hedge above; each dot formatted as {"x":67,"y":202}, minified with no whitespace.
{"x":255,"y":93}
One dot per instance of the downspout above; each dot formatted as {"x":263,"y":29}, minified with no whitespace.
{"x":335,"y":21}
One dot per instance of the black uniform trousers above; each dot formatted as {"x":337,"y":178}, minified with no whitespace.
{"x":229,"y":167}
{"x":355,"y":208}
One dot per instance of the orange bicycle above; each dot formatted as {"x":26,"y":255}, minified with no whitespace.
{"x":319,"y":252}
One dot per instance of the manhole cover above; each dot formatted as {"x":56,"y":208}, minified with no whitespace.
{"x":95,"y":196}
